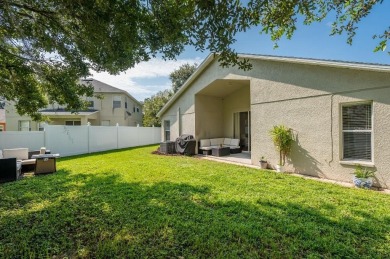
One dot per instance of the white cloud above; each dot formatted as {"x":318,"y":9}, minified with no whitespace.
{"x":131,"y":80}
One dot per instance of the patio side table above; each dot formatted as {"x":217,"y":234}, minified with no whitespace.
{"x":45,"y":163}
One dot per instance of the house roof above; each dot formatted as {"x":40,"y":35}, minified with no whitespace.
{"x":100,"y":87}
{"x":307,"y":61}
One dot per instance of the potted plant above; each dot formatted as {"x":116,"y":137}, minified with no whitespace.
{"x":263,"y":163}
{"x":283,"y":139}
{"x":363,"y":177}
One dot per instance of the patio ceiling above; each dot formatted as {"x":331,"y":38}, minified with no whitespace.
{"x":224,"y":87}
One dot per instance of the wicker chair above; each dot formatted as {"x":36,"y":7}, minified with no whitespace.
{"x":9,"y":170}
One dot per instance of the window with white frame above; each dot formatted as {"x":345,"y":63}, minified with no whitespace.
{"x":72,"y":123}
{"x":357,"y":131}
{"x":167,"y":130}
{"x":41,"y":126}
{"x":24,"y":125}
{"x":116,"y":103}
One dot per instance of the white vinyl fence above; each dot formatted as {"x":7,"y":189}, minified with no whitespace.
{"x":74,"y":140}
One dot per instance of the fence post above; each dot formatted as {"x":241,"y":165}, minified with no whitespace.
{"x":88,"y":136}
{"x":44,"y":134}
{"x":117,"y":136}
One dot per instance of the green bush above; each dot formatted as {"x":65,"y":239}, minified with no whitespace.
{"x":283,"y":139}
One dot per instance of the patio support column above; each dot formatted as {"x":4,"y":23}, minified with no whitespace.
{"x":178,"y":122}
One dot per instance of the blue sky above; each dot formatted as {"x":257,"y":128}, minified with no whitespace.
{"x":312,"y":41}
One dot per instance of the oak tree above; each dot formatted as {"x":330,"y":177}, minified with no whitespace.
{"x":47,"y":45}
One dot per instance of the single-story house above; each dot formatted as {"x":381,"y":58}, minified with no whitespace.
{"x":338,"y":111}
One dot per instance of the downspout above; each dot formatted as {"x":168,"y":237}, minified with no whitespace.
{"x":331,"y":129}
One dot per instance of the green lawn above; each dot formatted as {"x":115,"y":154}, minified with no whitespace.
{"x":130,"y":203}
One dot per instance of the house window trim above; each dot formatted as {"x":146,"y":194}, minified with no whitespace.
{"x":20,"y":128}
{"x":113,"y":100}
{"x":165,"y":130}
{"x":343,"y":161}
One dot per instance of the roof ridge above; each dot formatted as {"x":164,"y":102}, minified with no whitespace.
{"x":316,"y":59}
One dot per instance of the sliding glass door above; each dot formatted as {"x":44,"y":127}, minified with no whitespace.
{"x":242,"y":129}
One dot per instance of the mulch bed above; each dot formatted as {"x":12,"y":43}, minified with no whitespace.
{"x":158,"y":152}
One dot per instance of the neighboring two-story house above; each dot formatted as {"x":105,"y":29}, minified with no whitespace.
{"x":2,"y":115}
{"x":2,"y":120}
{"x":108,"y":107}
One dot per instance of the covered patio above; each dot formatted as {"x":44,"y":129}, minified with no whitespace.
{"x":222,"y":110}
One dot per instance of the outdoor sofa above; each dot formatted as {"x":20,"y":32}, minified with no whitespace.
{"x":208,"y":144}
{"x":22,"y":155}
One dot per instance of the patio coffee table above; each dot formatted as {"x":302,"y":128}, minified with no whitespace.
{"x":220,"y":151}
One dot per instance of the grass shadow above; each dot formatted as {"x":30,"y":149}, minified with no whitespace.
{"x":75,"y":214}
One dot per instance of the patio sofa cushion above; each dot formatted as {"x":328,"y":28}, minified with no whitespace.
{"x":235,"y":142}
{"x":208,"y":144}
{"x":205,"y":143}
{"x":28,"y":162}
{"x":216,"y":141}
{"x":227,"y":141}
{"x":21,"y":154}
{"x":18,"y":153}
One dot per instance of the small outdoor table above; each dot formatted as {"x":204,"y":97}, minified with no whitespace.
{"x":45,"y":163}
{"x":220,"y":151}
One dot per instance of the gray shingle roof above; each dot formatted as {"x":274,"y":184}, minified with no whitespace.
{"x":100,"y":87}
{"x":313,"y":59}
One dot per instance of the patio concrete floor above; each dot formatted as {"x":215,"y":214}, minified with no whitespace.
{"x":244,"y":159}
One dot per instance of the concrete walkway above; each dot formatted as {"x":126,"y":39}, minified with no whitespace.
{"x":244,"y":159}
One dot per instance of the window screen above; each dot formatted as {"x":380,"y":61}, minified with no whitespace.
{"x":357,"y":132}
{"x":167,"y":130}
{"x":116,"y":103}
{"x":72,"y":123}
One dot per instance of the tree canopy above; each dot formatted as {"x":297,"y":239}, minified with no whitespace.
{"x":47,"y":45}
{"x":152,"y":106}
{"x":180,"y":75}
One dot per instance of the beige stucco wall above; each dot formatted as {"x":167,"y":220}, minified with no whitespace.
{"x":208,"y":117}
{"x":118,"y":115}
{"x":238,"y":101}
{"x":306,"y":98}
{"x":12,"y":118}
